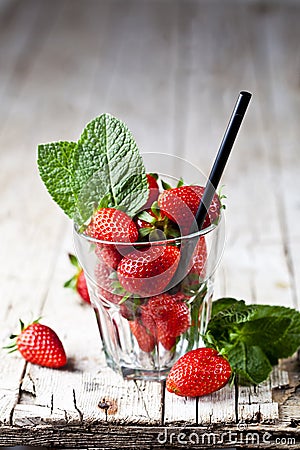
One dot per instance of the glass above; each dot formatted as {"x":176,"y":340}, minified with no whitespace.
{"x":145,"y":332}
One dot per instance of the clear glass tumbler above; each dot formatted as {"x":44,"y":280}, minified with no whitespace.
{"x":144,"y":332}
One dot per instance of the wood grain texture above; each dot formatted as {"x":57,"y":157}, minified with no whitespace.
{"x":172,"y":70}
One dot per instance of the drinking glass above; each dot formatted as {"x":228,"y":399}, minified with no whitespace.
{"x":144,"y":332}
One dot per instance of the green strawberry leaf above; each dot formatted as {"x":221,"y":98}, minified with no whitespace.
{"x":71,"y":283}
{"x":145,"y":231}
{"x":166,"y":186}
{"x":74,"y":261}
{"x":155,"y":209}
{"x":144,"y":215}
{"x":154,"y":175}
{"x":180,"y":182}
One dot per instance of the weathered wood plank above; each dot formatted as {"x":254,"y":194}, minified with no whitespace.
{"x":179,"y":409}
{"x":60,"y":397}
{"x":10,"y":373}
{"x":172,"y":71}
{"x":148,"y":438}
{"x":217,"y":408}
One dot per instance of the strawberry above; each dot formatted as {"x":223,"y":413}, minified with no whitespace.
{"x":106,"y":281}
{"x":108,"y":254}
{"x":112,"y":225}
{"x":181,"y":204}
{"x":198,"y":372}
{"x":153,"y":189}
{"x":39,"y":344}
{"x":149,"y":271}
{"x":78,"y":281}
{"x":167,"y":341}
{"x":199,"y":258}
{"x":166,"y":317}
{"x":144,"y":338}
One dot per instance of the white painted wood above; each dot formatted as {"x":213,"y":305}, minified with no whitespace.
{"x":179,"y":409}
{"x":172,"y":71}
{"x":59,"y":396}
{"x":218,"y":407}
{"x":11,"y":368}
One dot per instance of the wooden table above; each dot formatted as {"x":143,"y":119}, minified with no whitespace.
{"x":171,"y":70}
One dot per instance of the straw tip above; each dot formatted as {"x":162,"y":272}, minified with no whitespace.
{"x":246,"y":94}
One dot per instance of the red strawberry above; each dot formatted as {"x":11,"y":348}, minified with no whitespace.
{"x":166,"y":317}
{"x":105,"y":284}
{"x":108,"y":254}
{"x":199,"y":258}
{"x":78,"y":281}
{"x":153,"y":189}
{"x":39,"y":344}
{"x":181,"y":204}
{"x":198,"y":372}
{"x":112,"y":225}
{"x":148,"y":272}
{"x":144,"y":338}
{"x":167,"y":341}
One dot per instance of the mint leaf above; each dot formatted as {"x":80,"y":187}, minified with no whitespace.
{"x":103,"y":168}
{"x":248,"y":362}
{"x":253,"y":337}
{"x":263,"y":332}
{"x":224,"y":322}
{"x":56,"y":167}
{"x":223,"y":303}
{"x":289,"y":340}
{"x":107,"y":144}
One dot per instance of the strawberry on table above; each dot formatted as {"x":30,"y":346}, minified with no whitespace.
{"x":112,"y":225}
{"x":40,"y":345}
{"x":78,"y":281}
{"x":198,"y":372}
{"x":181,"y":204}
{"x":148,"y":272}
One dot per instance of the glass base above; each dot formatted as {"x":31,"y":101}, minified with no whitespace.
{"x":145,"y":375}
{"x":122,"y":351}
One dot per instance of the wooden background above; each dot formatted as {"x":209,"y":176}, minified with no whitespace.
{"x":172,"y":71}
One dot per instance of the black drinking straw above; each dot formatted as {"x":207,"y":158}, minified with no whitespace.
{"x":226,"y":145}
{"x":238,"y":113}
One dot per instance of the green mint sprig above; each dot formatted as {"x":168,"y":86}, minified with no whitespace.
{"x":103,"y":168}
{"x":252,"y":337}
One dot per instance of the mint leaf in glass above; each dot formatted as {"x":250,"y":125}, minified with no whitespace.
{"x":107,"y":143}
{"x":56,"y":167}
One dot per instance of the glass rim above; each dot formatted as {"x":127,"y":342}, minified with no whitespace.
{"x":196,"y":234}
